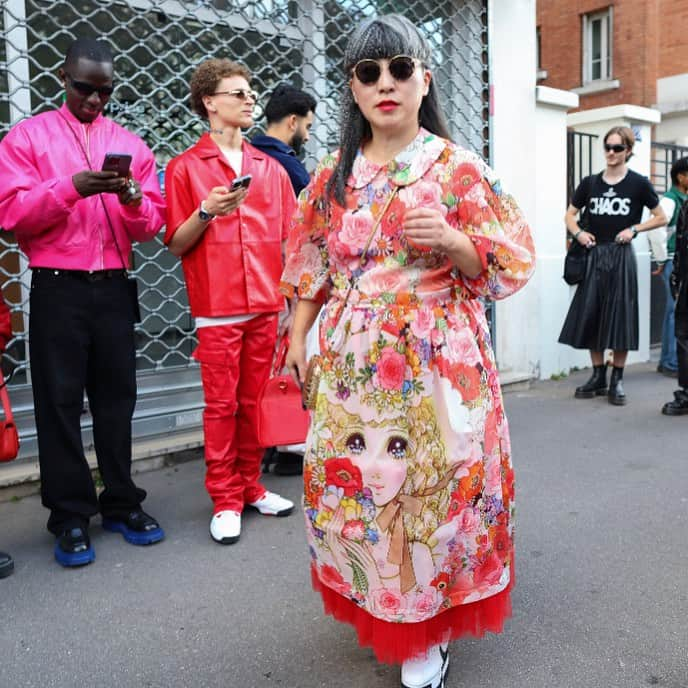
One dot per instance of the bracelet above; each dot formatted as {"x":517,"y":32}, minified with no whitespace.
{"x":635,"y":231}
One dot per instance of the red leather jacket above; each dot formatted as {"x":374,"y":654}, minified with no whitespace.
{"x":236,"y":266}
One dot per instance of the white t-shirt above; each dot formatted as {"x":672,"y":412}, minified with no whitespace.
{"x":658,"y":237}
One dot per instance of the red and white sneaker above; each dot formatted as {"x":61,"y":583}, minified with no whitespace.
{"x":427,"y":670}
{"x":271,"y":504}
{"x":225,"y":527}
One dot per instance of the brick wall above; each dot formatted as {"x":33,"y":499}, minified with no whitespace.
{"x":673,"y":57}
{"x":650,"y":41}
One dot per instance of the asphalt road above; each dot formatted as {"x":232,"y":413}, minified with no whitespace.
{"x":601,"y":599}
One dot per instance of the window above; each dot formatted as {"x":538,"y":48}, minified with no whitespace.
{"x":597,"y":46}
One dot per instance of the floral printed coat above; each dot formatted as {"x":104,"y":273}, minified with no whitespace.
{"x":408,"y":475}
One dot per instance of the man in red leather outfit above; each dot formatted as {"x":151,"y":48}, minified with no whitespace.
{"x":230,"y":242}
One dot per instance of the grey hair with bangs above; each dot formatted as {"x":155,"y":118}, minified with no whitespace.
{"x":379,"y":38}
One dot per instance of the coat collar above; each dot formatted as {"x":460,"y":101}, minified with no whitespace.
{"x":263,"y":141}
{"x":75,"y":121}
{"x":406,"y":168}
{"x":206,"y":148}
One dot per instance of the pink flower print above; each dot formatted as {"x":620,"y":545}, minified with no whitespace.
{"x":354,"y":530}
{"x":425,"y":602}
{"x":422,"y":324}
{"x":462,"y":347}
{"x":436,"y":337}
{"x":309,"y":259}
{"x":391,"y":367}
{"x":493,"y":477}
{"x":489,"y":571}
{"x":469,"y":520}
{"x":383,"y":281}
{"x":386,"y":601}
{"x":423,"y":194}
{"x":356,"y":228}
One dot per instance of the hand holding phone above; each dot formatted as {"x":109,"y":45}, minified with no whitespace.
{"x":241,"y":182}
{"x":117,"y":162}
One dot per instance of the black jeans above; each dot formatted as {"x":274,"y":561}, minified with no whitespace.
{"x":82,"y":337}
{"x":681,"y":329}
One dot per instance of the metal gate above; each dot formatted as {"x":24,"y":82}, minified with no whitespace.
{"x":157,"y":44}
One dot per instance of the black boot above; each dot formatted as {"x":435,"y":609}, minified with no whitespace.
{"x":679,"y":406}
{"x":596,"y":385}
{"x":6,"y":565}
{"x":617,"y":396}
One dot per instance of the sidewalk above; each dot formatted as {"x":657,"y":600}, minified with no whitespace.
{"x":600,"y":602}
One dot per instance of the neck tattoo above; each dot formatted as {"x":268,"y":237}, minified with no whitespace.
{"x":217,"y":131}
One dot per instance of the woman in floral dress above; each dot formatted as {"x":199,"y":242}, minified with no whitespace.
{"x":408,"y":476}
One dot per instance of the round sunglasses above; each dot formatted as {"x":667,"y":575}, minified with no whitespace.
{"x":401,"y":67}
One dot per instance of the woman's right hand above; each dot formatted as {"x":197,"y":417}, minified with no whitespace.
{"x":586,"y":239}
{"x":296,"y":361}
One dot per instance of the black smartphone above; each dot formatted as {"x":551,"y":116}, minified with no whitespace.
{"x":117,"y":162}
{"x":241,"y":181}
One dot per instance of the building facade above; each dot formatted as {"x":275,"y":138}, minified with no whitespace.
{"x":619,"y":52}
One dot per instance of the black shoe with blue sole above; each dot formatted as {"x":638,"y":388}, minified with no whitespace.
{"x":73,"y":548}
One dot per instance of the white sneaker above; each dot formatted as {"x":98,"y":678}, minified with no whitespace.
{"x":427,"y":670}
{"x":271,"y":504}
{"x":225,"y":527}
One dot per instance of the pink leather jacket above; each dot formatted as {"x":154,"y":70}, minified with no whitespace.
{"x":54,"y":225}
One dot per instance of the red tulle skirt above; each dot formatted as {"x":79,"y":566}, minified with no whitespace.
{"x":393,"y":643}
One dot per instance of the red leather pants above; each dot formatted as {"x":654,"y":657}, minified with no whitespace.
{"x":235,"y":362}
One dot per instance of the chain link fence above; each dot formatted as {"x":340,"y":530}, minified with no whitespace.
{"x":157,"y":44}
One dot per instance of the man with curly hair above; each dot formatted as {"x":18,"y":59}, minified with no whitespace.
{"x":229,"y":208}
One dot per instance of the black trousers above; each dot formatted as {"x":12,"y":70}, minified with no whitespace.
{"x":81,"y":337}
{"x":681,"y":330}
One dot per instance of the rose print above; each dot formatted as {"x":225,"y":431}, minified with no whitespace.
{"x":354,"y":530}
{"x":422,"y":323}
{"x":423,"y":194}
{"x":425,"y":602}
{"x":388,"y":602}
{"x":356,"y":228}
{"x":391,"y":367}
{"x":461,"y":347}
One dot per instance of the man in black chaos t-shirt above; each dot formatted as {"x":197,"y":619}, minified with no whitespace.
{"x":604,"y":311}
{"x":611,"y":208}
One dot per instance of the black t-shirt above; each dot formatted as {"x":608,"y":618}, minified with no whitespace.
{"x":609,"y":208}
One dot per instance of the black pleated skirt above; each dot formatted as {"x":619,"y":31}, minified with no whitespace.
{"x":604,"y":311}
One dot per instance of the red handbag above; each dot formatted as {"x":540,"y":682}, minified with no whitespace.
{"x":281,"y":416}
{"x":9,"y":437}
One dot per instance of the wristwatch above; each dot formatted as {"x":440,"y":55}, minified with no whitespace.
{"x":203,"y":214}
{"x":635,"y":231}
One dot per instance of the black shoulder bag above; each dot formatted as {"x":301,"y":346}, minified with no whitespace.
{"x":576,"y":260}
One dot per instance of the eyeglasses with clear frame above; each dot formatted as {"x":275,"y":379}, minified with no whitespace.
{"x":240,"y":93}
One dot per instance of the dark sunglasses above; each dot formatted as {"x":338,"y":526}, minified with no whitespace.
{"x":401,"y":67}
{"x":86,"y":90}
{"x":617,"y":147}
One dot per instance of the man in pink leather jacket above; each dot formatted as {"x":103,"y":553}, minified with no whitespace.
{"x":76,"y":224}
